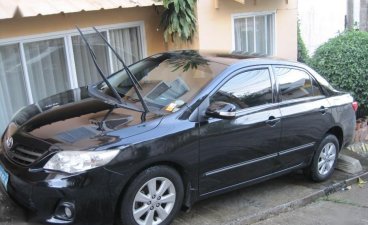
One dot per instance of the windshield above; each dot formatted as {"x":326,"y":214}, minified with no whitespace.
{"x":168,"y":80}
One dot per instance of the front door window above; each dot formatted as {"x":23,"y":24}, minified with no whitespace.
{"x":247,"y":89}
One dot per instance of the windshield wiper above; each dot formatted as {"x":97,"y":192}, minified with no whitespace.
{"x":133,"y":79}
{"x":93,"y":55}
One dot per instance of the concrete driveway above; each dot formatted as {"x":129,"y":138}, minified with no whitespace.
{"x":341,"y":208}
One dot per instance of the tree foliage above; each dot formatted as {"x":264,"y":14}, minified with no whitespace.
{"x":178,"y":19}
{"x":188,"y":59}
{"x":302,"y":50}
{"x":343,"y":60}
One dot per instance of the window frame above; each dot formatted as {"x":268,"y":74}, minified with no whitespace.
{"x":67,"y":35}
{"x":244,"y":70}
{"x":296,"y":100}
{"x":254,"y":14}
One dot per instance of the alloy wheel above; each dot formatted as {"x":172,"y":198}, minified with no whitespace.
{"x":154,"y":201}
{"x":327,"y":158}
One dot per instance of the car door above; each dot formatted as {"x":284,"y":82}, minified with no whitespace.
{"x":305,"y":115}
{"x":234,"y":151}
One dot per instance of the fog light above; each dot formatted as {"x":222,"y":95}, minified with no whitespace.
{"x":68,"y":212}
{"x":65,"y":211}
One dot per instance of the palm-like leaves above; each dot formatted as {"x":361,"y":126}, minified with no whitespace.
{"x":187,"y":60}
{"x":178,"y":19}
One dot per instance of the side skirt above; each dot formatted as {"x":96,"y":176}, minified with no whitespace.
{"x":253,"y":181}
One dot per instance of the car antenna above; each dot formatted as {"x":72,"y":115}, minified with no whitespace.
{"x":131,"y":76}
{"x":93,"y":55}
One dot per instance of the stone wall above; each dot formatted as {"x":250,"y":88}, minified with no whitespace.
{"x":360,"y":144}
{"x":361,"y":130}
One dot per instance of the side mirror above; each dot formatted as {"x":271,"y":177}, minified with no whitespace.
{"x":221,"y":110}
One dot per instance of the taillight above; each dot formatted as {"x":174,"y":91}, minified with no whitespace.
{"x":355,"y":106}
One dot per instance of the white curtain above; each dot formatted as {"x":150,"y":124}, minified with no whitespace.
{"x":13,"y":93}
{"x":127,"y":42}
{"x":271,"y":35}
{"x":261,"y":29}
{"x":254,"y":34}
{"x":244,"y":34}
{"x":86,"y":70}
{"x":47,"y":69}
{"x":240,"y":35}
{"x":250,"y":34}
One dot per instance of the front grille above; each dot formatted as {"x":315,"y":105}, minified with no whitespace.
{"x":23,"y":155}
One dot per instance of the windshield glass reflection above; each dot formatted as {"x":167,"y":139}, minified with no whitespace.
{"x":168,"y":80}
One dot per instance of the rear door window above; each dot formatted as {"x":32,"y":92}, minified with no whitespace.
{"x":295,"y":83}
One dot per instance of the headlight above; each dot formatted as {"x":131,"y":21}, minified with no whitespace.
{"x":79,"y":161}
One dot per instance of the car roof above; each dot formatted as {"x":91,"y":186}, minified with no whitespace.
{"x":235,"y":59}
{"x":246,"y":60}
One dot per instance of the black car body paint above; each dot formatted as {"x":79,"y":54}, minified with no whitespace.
{"x":212,"y":155}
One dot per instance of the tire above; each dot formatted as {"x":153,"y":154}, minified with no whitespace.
{"x":144,"y":204}
{"x":324,"y":159}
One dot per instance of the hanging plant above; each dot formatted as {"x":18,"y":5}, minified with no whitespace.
{"x":178,"y":19}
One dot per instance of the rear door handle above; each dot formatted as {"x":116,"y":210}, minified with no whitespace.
{"x":322,"y":110}
{"x":272,"y":121}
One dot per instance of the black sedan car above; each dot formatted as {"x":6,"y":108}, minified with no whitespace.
{"x":168,"y":131}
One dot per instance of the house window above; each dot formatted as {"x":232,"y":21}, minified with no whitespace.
{"x":254,"y":34}
{"x":13,"y":93}
{"x":34,"y":68}
{"x":126,"y":42}
{"x":46,"y":67}
{"x":85,"y":69}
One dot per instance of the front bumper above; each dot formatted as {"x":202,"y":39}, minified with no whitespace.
{"x":93,"y":195}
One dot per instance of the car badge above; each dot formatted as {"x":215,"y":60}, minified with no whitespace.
{"x":9,"y":142}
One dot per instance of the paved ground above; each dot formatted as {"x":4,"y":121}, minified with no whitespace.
{"x":254,"y":203}
{"x":10,"y":214}
{"x":347,"y":207}
{"x":251,"y":204}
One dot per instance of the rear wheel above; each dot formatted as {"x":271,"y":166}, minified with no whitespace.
{"x":324,"y":160}
{"x":153,"y":198}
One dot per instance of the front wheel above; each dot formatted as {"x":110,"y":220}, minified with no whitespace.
{"x":324,"y":160}
{"x":153,"y":198}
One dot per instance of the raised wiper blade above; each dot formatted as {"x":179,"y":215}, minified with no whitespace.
{"x":93,"y":55}
{"x":130,"y":75}
{"x":94,"y":92}
{"x":134,"y":79}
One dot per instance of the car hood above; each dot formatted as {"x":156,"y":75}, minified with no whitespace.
{"x":73,"y":120}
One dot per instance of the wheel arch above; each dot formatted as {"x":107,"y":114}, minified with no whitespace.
{"x":185,"y":176}
{"x":338,"y":132}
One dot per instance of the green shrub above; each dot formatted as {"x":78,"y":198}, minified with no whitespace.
{"x":343,"y":60}
{"x":302,"y":50}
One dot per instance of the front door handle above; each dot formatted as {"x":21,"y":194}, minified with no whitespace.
{"x":272,"y":121}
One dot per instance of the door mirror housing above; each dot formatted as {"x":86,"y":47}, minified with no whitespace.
{"x":223,"y":110}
